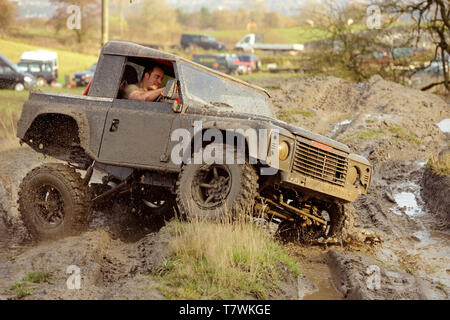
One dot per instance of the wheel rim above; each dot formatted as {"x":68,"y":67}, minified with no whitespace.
{"x":19,"y":87}
{"x":49,"y":207}
{"x":211,"y":186}
{"x":154,"y":204}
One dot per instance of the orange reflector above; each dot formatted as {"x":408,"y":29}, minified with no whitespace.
{"x":322,"y":146}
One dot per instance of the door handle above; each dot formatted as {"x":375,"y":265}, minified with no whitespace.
{"x":114,"y":125}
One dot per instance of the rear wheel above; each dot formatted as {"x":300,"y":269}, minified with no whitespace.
{"x":54,"y":202}
{"x":40,"y":82}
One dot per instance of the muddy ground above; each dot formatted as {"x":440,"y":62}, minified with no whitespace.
{"x":399,"y":247}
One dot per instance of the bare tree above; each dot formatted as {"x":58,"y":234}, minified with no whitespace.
{"x":7,"y":14}
{"x":90,"y":10}
{"x":432,"y":20}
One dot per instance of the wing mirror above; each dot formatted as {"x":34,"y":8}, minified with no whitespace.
{"x":171,"y":92}
{"x":171,"y":89}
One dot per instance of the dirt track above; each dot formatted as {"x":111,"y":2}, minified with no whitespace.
{"x":401,"y":227}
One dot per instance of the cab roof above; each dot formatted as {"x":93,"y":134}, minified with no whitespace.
{"x":130,"y":49}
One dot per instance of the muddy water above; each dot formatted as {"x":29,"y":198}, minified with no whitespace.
{"x":444,"y":125}
{"x":321,"y":277}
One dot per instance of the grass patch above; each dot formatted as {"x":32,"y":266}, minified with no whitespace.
{"x":401,"y":134}
{"x":440,"y":165}
{"x":265,"y":75}
{"x":222,"y":261}
{"x":20,"y":289}
{"x":370,"y":134}
{"x":8,"y":124}
{"x":288,"y":115}
{"x":37,"y":277}
{"x":23,"y":288}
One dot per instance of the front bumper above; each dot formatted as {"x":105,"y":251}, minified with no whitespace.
{"x":321,"y":189}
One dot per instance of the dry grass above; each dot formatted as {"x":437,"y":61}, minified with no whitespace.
{"x":223,"y":261}
{"x":440,"y":165}
{"x":8,"y":129}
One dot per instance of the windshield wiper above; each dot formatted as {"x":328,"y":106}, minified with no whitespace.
{"x":221,"y":104}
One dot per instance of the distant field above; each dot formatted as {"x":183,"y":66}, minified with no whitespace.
{"x":69,"y":61}
{"x":11,"y":100}
{"x":283,"y":35}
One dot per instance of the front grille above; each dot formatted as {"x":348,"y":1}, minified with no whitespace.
{"x":324,"y":165}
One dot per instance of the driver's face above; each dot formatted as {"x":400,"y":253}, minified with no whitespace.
{"x":153,"y":80}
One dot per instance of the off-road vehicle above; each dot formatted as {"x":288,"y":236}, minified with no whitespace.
{"x":151,"y":152}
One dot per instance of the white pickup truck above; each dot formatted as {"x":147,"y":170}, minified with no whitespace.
{"x":252,"y":42}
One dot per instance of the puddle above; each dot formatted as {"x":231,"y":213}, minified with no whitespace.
{"x":339,"y":125}
{"x":444,"y":125}
{"x":319,"y":275}
{"x":408,"y":200}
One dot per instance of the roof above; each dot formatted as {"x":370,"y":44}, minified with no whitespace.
{"x":130,"y":49}
{"x":39,"y":55}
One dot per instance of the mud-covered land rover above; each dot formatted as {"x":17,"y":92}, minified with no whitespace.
{"x":295,"y":177}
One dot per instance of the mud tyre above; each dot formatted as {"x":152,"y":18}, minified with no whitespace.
{"x":342,"y":221}
{"x":54,"y":202}
{"x":216,"y":192}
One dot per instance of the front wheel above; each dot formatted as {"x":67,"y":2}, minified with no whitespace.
{"x":54,"y":202}
{"x":19,"y":87}
{"x":215,"y":192}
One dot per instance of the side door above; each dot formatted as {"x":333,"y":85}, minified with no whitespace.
{"x":137,"y":134}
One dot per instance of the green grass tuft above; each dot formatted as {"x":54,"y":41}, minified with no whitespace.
{"x":222,"y":261}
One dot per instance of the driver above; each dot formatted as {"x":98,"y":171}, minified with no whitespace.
{"x":148,"y":89}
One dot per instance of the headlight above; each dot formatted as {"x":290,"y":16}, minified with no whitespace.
{"x":353,"y":175}
{"x":283,"y":150}
{"x":27,"y":79}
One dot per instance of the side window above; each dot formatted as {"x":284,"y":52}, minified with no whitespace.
{"x":145,"y":76}
{"x":34,"y":67}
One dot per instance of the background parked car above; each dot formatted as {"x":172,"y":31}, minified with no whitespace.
{"x":82,"y":78}
{"x":45,"y":56}
{"x":12,"y":78}
{"x":251,"y":61}
{"x":221,"y":62}
{"x":41,"y":70}
{"x":189,"y":41}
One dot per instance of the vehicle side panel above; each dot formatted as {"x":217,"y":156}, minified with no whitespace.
{"x":88,"y":112}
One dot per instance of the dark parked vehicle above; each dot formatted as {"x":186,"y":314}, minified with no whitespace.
{"x":190,"y":41}
{"x":41,"y":70}
{"x":84,"y":77}
{"x":11,"y":77}
{"x":225,"y":63}
{"x":158,"y":154}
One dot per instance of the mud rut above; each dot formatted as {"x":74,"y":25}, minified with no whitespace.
{"x":400,"y":230}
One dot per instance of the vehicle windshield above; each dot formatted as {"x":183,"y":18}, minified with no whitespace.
{"x":215,"y":91}
{"x":11,"y":64}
